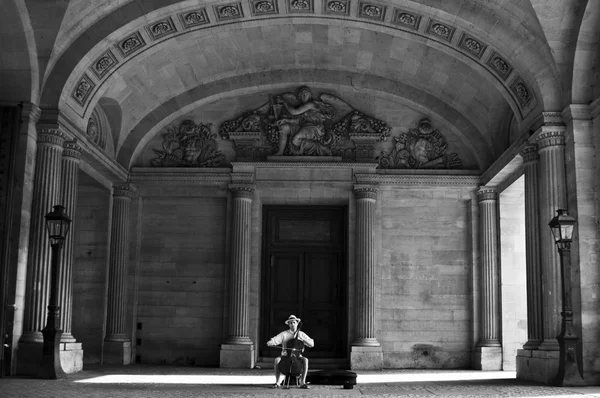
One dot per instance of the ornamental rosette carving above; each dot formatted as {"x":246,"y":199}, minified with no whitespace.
{"x":188,"y":145}
{"x":421,"y":148}
{"x":297,"y":124}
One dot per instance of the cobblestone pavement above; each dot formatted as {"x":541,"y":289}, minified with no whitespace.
{"x":165,"y":382}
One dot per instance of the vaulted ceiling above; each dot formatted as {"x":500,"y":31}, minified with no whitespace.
{"x":487,"y":68}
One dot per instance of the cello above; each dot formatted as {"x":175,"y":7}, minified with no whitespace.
{"x":290,"y":364}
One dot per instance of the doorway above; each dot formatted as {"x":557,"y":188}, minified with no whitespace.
{"x":304,"y":272}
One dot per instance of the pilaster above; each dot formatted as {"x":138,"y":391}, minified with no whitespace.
{"x":366,"y":351}
{"x":238,"y":349}
{"x":117,"y":346}
{"x":551,"y":148}
{"x":488,"y":352}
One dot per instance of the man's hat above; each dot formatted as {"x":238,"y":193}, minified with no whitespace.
{"x":292,"y":318}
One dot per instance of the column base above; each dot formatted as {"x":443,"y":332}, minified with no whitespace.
{"x":366,"y":358}
{"x":537,"y":365}
{"x":487,"y":358}
{"x":29,"y":358}
{"x":117,"y":352}
{"x":549,"y":345}
{"x":237,"y":356}
{"x":71,"y":357}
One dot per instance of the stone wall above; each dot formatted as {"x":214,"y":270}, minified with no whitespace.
{"x":181,"y":279}
{"x":513,"y":272}
{"x":426,"y":276}
{"x":90,"y":267}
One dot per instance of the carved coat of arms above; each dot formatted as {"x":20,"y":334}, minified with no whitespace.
{"x":300,"y":125}
{"x":421,"y":148}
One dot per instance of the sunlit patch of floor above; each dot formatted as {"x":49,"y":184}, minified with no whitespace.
{"x":252,"y":379}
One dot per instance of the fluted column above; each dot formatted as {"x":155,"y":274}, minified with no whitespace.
{"x":551,"y":148}
{"x":366,"y":198}
{"x":239,"y":285}
{"x":69,"y":180}
{"x":238,"y":350}
{"x":46,"y":193}
{"x":118,"y":261}
{"x":489,"y":332}
{"x":535,"y":326}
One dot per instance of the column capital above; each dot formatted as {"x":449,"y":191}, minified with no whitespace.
{"x":553,"y":119}
{"x":242,"y":190}
{"x":72,"y":150}
{"x":487,"y":193}
{"x":551,"y":138}
{"x":365,"y":192}
{"x":529,"y":153}
{"x":126,"y":190}
{"x":52,"y":136}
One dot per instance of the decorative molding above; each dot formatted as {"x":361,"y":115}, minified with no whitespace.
{"x":370,"y":10}
{"x":487,"y":193}
{"x":410,"y":180}
{"x":301,"y":6}
{"x":471,"y":45}
{"x":406,"y":19}
{"x":420,"y":148}
{"x":229,"y":11}
{"x":440,"y":30}
{"x":240,"y":178}
{"x":326,"y":165}
{"x":103,"y":64}
{"x":177,"y":176}
{"x":264,"y":7}
{"x":131,"y":44}
{"x":499,"y":65}
{"x":337,"y":7}
{"x":83,"y":89}
{"x":188,"y":145}
{"x":193,"y":18}
{"x":161,"y":28}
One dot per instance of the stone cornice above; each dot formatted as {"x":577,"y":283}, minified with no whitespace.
{"x":428,"y":180}
{"x":329,"y":165}
{"x":179,"y":175}
{"x":30,"y":111}
{"x":487,"y":193}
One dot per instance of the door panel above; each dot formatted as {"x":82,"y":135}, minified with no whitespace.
{"x":304,"y":274}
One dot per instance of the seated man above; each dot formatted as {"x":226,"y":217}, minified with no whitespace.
{"x":282,"y":339}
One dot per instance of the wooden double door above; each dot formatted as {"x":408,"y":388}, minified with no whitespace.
{"x":304,"y":273}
